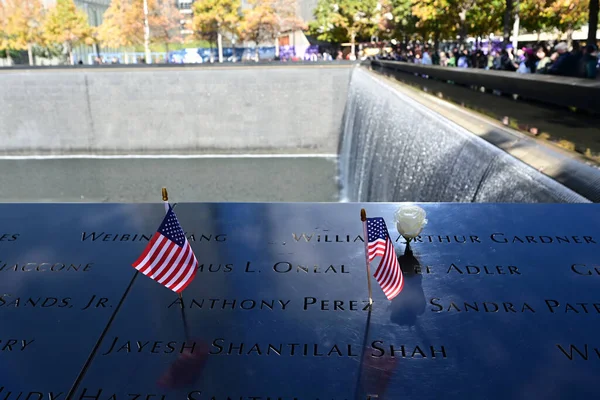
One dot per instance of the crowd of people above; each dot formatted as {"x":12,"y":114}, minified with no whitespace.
{"x":579,"y":62}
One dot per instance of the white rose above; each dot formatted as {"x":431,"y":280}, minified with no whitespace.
{"x":410,"y":220}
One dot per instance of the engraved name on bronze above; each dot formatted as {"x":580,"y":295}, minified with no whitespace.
{"x":587,"y":270}
{"x":7,"y":394}
{"x":307,"y":303}
{"x":222,"y":347}
{"x":280,"y":267}
{"x":483,"y":270}
{"x":200,"y":395}
{"x":8,"y":301}
{"x":194,"y":394}
{"x":153,"y":347}
{"x":580,"y":352}
{"x":101,"y":394}
{"x":9,"y":237}
{"x":284,"y":267}
{"x":141,"y":237}
{"x":377,"y":349}
{"x":229,"y":304}
{"x":45,"y":267}
{"x":15,"y":344}
{"x":548,"y":305}
{"x":495,"y":237}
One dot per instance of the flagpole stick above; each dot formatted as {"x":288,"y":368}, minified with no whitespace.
{"x":165,"y":197}
{"x":185,"y":324}
{"x":363,"y":218}
{"x":361,"y":364}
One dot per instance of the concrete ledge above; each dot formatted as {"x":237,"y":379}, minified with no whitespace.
{"x":172,"y":110}
{"x":563,"y":91}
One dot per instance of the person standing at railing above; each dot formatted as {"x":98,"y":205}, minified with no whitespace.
{"x":426,"y":58}
{"x":507,"y":62}
{"x":565,"y":64}
{"x":543,"y":60}
{"x":590,"y":61}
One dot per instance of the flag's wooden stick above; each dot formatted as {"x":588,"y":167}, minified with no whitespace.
{"x":165,"y":197}
{"x":363,"y":218}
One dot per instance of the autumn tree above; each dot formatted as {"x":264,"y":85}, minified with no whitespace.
{"x":260,"y":23}
{"x":441,"y":16}
{"x":287,"y":18}
{"x":265,"y":20}
{"x":533,"y":15}
{"x":67,"y":25}
{"x":485,"y":17}
{"x":327,"y":25}
{"x":165,"y":24}
{"x":567,"y":15}
{"x":216,"y":17}
{"x":348,"y":19}
{"x":121,"y":26}
{"x":398,"y":20}
{"x":24,"y":25}
{"x":4,"y":34}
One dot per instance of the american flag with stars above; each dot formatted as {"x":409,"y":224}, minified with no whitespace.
{"x":388,"y":273}
{"x":168,"y":258}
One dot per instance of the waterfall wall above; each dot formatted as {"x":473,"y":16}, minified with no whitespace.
{"x":393,"y":149}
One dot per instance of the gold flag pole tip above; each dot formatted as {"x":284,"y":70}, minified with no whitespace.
{"x":165,"y":194}
{"x":363,"y":218}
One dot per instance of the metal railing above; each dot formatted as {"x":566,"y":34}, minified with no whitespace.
{"x":551,"y":89}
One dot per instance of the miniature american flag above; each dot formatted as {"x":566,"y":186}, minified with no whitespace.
{"x":388,"y":273}
{"x":168,"y":258}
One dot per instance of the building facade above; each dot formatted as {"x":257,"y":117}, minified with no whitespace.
{"x":94,"y":9}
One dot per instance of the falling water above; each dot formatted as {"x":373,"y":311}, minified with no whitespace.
{"x":394,"y":149}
